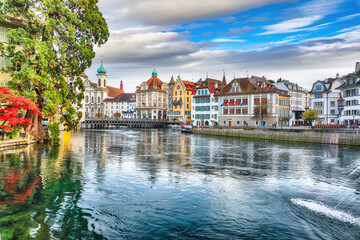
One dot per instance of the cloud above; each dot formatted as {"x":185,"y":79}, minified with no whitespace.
{"x":222,"y":40}
{"x":292,"y":25}
{"x":238,"y":31}
{"x":349,"y":17}
{"x":165,"y":12}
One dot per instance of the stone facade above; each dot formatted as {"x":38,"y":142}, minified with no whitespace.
{"x":151,"y":99}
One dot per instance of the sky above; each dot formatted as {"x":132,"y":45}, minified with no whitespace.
{"x":301,"y":41}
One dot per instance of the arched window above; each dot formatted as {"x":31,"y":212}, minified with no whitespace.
{"x":98,"y":99}
{"x":87,"y":99}
{"x":99,"y":82}
{"x":104,"y":82}
{"x":92,"y":99}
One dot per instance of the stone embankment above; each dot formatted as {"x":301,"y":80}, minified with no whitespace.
{"x":306,"y":136}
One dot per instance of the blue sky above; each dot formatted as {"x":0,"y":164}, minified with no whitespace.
{"x":302,"y":41}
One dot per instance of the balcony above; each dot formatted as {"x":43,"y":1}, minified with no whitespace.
{"x":178,"y":102}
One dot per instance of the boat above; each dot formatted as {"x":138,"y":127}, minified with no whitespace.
{"x":186,"y":128}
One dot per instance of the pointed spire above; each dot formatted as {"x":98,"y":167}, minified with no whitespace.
{"x":224,"y":80}
{"x":340,"y":98}
{"x":172,"y":79}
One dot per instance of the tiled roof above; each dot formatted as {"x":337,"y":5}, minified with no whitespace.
{"x":208,"y":83}
{"x":248,"y":85}
{"x":189,"y":85}
{"x":152,"y":81}
{"x":113,"y":92}
{"x":124,"y":97}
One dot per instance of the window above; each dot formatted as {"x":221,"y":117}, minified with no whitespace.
{"x":238,"y":111}
{"x":232,"y":111}
{"x":225,"y":111}
{"x":180,"y":92}
{"x":187,"y":105}
{"x":332,"y":112}
{"x":332,"y":104}
{"x":87,"y":99}
{"x":256,"y":101}
{"x":318,"y":87}
{"x":99,"y":82}
{"x":245,"y":101}
{"x":104,"y":82}
{"x":98,"y":99}
{"x":92,"y":99}
{"x":245,"y":111}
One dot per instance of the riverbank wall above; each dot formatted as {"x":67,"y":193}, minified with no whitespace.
{"x":351,"y":139}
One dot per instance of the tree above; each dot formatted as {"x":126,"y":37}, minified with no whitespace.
{"x":117,"y":114}
{"x":310,"y":115}
{"x":262,"y":110}
{"x":99,"y":115}
{"x":49,"y":53}
{"x":11,"y":107}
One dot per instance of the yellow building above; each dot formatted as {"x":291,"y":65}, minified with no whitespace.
{"x":181,"y":104}
{"x":284,"y":110}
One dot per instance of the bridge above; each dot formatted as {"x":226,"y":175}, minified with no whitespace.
{"x":133,"y":123}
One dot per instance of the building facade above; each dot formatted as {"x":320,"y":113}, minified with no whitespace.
{"x":205,"y":103}
{"x":299,"y":100}
{"x":181,"y":101}
{"x":119,"y":106}
{"x":349,"y":100}
{"x":96,"y":93}
{"x":324,"y":100}
{"x":253,"y":102}
{"x":151,"y":99}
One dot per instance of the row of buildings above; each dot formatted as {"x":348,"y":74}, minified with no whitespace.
{"x":249,"y":101}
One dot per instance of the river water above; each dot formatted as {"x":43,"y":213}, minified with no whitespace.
{"x":162,"y":184}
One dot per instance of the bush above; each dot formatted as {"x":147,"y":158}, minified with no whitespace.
{"x":13,"y":133}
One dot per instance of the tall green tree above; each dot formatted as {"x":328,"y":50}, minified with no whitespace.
{"x":49,"y":53}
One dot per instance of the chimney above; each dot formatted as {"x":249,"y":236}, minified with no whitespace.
{"x":357,"y":67}
{"x":121,"y":85}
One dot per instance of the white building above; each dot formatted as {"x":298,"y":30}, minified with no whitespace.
{"x":205,"y":103}
{"x":96,"y":93}
{"x":299,"y":100}
{"x":350,"y":98}
{"x":324,"y":100}
{"x":119,"y":106}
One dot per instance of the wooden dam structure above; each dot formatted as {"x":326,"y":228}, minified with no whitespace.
{"x":133,"y":123}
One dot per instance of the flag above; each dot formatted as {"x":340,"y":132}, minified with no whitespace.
{"x":228,"y":104}
{"x":241,"y":104}
{"x":234,"y":103}
{"x":222,"y":105}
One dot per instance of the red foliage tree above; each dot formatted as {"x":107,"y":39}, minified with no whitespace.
{"x":10,"y":107}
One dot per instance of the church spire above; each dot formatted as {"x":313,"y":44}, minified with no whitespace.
{"x":224,"y":80}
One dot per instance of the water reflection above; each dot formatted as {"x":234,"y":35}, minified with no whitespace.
{"x":120,"y":184}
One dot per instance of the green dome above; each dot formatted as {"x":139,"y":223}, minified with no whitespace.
{"x":101,"y":70}
{"x":154,"y":74}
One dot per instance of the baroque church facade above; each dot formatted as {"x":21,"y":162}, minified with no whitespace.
{"x":95,"y":94}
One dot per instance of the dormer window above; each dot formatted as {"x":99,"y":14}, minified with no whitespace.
{"x":318,"y":87}
{"x":154,"y":87}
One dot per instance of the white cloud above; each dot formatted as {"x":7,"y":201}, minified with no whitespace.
{"x":165,"y":12}
{"x":349,"y":17}
{"x":292,"y":25}
{"x":222,"y":40}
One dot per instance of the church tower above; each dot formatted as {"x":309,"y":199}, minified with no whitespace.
{"x":101,"y":76}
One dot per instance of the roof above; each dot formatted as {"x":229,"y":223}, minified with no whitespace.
{"x":154,"y":81}
{"x":250,"y":85}
{"x":189,"y":85}
{"x":281,"y":86}
{"x":124,"y":97}
{"x":83,"y":75}
{"x":209,"y":83}
{"x":101,"y":70}
{"x":113,"y":92}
